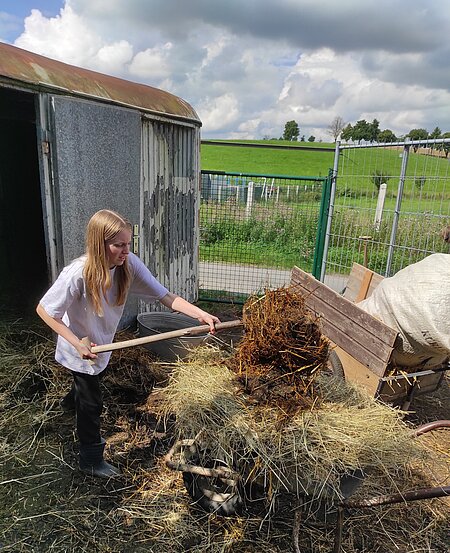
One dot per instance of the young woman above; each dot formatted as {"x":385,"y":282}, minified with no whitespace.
{"x":88,"y":299}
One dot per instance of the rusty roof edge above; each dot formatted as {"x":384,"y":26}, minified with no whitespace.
{"x":22,"y":66}
{"x":43,"y":87}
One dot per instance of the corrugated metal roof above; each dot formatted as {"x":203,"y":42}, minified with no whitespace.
{"x":26,"y":67}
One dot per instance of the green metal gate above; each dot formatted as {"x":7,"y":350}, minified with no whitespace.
{"x":255,"y":228}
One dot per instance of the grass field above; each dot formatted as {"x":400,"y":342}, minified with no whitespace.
{"x":266,"y":239}
{"x":357,"y":165}
{"x":268,"y":161}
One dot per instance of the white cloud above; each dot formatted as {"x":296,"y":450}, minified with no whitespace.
{"x":69,"y":38}
{"x":248,"y":67}
{"x":324,"y":84}
{"x":65,"y":37}
{"x":112,"y":58}
{"x":220,"y":112}
{"x":152,"y":64}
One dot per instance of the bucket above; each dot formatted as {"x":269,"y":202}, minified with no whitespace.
{"x":173,"y":348}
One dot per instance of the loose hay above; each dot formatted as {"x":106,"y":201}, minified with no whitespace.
{"x":310,"y":453}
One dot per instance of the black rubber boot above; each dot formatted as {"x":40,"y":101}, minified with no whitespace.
{"x":67,"y":403}
{"x":92,"y":462}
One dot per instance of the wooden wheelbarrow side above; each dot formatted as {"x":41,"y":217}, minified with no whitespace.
{"x":363,"y":343}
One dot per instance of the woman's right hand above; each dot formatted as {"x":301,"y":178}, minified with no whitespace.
{"x":84,"y":351}
{"x":61,"y":329}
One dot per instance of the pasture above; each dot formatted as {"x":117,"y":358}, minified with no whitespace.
{"x":281,"y":231}
{"x":424,"y":172}
{"x":268,"y":161}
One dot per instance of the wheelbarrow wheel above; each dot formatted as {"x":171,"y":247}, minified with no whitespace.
{"x":335,"y":364}
{"x":214,"y":495}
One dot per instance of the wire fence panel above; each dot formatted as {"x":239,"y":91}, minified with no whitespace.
{"x":389,"y":204}
{"x":253,"y":230}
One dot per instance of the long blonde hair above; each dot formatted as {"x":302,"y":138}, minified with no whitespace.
{"x":103,"y":226}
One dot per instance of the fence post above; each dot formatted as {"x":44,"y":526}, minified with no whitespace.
{"x":398,"y":203}
{"x":330,"y":210}
{"x":380,"y":206}
{"x":321,"y":227}
{"x":249,"y":206}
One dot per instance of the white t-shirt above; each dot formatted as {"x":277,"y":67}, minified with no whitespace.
{"x":67,"y":300}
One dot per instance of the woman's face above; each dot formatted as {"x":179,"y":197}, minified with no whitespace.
{"x":118,"y":248}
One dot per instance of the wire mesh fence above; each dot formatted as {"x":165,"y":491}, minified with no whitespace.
{"x":253,"y":230}
{"x":389,"y":205}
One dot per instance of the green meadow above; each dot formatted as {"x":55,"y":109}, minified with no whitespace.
{"x":286,"y":235}
{"x":359,"y":164}
{"x":301,"y":162}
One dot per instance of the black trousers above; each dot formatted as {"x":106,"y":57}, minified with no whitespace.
{"x":88,"y":401}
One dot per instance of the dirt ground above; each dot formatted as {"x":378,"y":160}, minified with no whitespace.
{"x":47,"y":505}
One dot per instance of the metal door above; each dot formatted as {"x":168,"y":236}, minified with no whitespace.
{"x":170,"y":192}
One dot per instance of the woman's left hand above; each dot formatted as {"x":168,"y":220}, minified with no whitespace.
{"x":210,"y":320}
{"x":178,"y":303}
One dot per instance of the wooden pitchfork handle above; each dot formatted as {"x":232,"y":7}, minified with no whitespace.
{"x":190,"y":331}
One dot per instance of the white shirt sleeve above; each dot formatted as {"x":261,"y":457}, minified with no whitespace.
{"x":67,"y":288}
{"x":143,"y":283}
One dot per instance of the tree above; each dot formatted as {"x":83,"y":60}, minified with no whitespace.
{"x":373,"y":131}
{"x":347,"y":132}
{"x":311,"y":138}
{"x":417,"y":134}
{"x":361,"y":131}
{"x":436,"y":133}
{"x":291,"y":131}
{"x":386,"y":136}
{"x":336,"y":127}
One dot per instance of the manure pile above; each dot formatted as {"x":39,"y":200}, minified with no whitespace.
{"x":281,"y":352}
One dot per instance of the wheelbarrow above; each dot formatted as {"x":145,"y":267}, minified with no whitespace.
{"x":219,"y":489}
{"x":362,"y":345}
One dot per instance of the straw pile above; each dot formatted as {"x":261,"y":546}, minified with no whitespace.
{"x":282,"y":351}
{"x":307,"y":454}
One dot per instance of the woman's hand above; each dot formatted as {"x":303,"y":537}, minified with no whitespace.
{"x":210,"y":320}
{"x":58,"y":325}
{"x":178,"y":303}
{"x":84,"y":350}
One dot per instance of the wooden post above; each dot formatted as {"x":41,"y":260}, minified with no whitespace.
{"x":248,"y":209}
{"x":365,"y":239}
{"x":380,"y":206}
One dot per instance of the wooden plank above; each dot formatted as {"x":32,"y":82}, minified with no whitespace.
{"x":356,"y":372}
{"x":365,"y":338}
{"x":355,"y":284}
{"x":364,"y":288}
{"x":356,"y":350}
{"x":341,"y":305}
{"x":340,"y":328}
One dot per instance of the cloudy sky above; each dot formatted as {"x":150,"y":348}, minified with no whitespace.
{"x":248,"y":66}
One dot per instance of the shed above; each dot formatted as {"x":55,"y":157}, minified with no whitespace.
{"x":73,"y":141}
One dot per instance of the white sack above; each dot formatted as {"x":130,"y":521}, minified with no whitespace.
{"x":416,"y":303}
